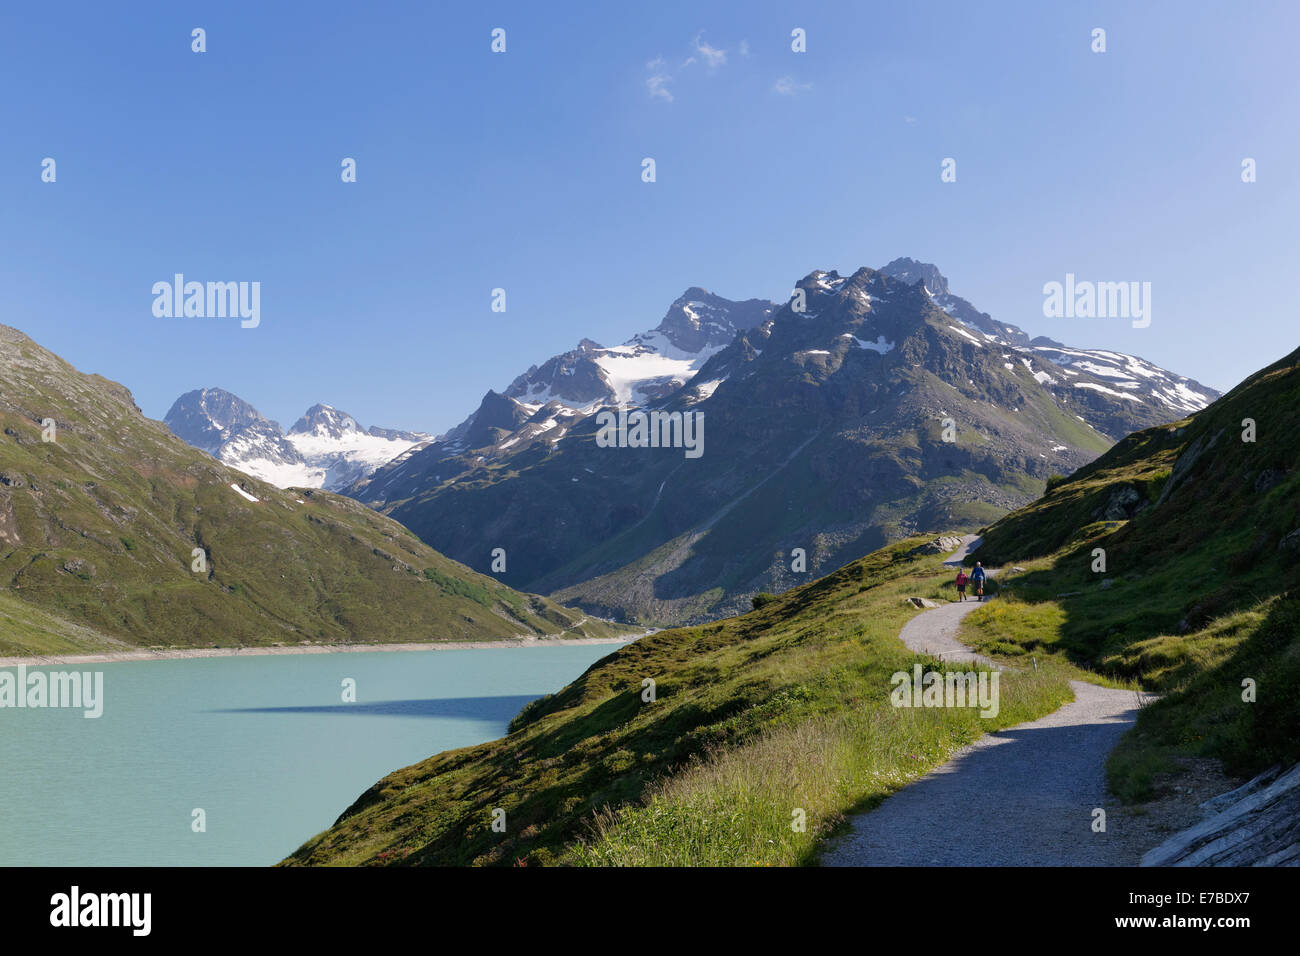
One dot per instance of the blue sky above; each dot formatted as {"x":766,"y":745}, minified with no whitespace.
{"x":522,"y":170}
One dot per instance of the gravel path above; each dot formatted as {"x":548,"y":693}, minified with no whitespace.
{"x":1023,"y":796}
{"x":935,"y":633}
{"x":969,"y":542}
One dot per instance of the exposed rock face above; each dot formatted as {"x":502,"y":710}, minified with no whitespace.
{"x":1124,"y":503}
{"x":1186,"y":462}
{"x":945,"y":544}
{"x":869,"y":407}
{"x":8,"y":523}
{"x":1257,"y":824}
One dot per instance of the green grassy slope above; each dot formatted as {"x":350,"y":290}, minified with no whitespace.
{"x":1201,"y":580}
{"x":783,"y":709}
{"x":98,"y":530}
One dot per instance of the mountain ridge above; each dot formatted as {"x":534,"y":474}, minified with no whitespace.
{"x":626,"y":539}
{"x":325,"y":448}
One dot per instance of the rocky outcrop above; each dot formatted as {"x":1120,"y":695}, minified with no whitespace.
{"x":1123,"y":504}
{"x":1186,"y":462}
{"x":1257,"y":824}
{"x":944,"y":544}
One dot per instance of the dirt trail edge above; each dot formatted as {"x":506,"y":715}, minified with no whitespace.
{"x":1023,"y":796}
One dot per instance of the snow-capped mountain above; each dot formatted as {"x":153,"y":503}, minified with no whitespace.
{"x":549,"y":399}
{"x":684,"y":353}
{"x":1126,"y":377}
{"x":1137,"y":379}
{"x":649,"y":365}
{"x":326,"y":448}
{"x":825,"y":418}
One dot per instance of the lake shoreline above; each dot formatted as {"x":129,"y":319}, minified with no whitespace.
{"x":187,"y":653}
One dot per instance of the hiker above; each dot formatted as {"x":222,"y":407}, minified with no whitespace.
{"x":977,"y":580}
{"x":961,"y":584}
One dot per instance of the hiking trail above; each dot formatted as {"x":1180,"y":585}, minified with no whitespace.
{"x":1023,"y":796}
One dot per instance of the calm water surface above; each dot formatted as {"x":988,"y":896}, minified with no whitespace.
{"x":264,"y":745}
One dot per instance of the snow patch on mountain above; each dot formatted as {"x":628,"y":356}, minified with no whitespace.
{"x":880,"y":345}
{"x":1128,"y":372}
{"x":242,"y":493}
{"x":632,"y":371}
{"x":1108,"y":391}
{"x":967,"y":335}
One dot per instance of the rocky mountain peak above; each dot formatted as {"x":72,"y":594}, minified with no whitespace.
{"x":208,"y":417}
{"x":911,"y":271}
{"x":325,"y":448}
{"x":699,"y":320}
{"x":325,"y":420}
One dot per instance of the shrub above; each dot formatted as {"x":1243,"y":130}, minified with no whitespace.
{"x":1055,"y":481}
{"x":450,"y":585}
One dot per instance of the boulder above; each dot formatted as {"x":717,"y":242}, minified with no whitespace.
{"x":1124,"y":503}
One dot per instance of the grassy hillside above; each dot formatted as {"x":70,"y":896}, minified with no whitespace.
{"x":98,"y":530}
{"x":1200,"y":590}
{"x":783,"y":709}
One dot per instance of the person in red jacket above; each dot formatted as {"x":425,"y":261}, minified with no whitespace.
{"x":961,"y":584}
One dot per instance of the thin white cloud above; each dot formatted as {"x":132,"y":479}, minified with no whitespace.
{"x":744,"y":48}
{"x":712,"y":56}
{"x":657,"y":86}
{"x":788,"y":86}
{"x":661,"y":74}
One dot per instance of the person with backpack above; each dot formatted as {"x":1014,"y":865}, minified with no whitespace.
{"x":977,"y":580}
{"x":961,"y":584}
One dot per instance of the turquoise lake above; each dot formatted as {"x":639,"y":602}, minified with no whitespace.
{"x":265,"y":746}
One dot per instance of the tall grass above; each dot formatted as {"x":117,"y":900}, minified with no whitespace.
{"x":773,"y":801}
